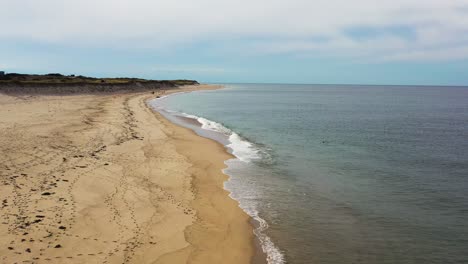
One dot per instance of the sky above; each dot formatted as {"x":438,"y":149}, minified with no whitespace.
{"x":270,"y":41}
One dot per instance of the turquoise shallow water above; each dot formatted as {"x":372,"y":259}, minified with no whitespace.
{"x":345,"y":174}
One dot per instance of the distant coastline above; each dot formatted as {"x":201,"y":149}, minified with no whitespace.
{"x":56,"y":83}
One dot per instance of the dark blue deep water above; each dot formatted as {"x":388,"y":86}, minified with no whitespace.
{"x":348,"y":174}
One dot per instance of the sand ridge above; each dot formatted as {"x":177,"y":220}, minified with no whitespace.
{"x":104,"y":179}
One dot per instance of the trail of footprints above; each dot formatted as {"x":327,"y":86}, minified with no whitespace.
{"x":128,"y":126}
{"x":22,"y":214}
{"x":39,"y":217}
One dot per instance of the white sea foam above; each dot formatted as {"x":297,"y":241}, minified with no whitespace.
{"x":167,"y":95}
{"x":241,"y":148}
{"x":245,"y":151}
{"x":274,"y":255}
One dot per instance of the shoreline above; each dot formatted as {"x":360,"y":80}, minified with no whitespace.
{"x":193,"y":125}
{"x":216,"y":175}
{"x":104,"y":179}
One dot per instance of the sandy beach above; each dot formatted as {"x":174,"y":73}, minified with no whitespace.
{"x":104,"y":179}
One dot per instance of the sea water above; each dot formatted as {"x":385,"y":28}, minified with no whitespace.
{"x":343,"y":173}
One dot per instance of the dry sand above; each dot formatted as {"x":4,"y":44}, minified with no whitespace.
{"x":104,"y":179}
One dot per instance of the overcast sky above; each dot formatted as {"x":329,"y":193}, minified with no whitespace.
{"x":289,"y":41}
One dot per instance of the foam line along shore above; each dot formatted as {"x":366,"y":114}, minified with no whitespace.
{"x":244,"y":152}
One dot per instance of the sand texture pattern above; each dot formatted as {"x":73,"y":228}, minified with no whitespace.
{"x":104,"y":179}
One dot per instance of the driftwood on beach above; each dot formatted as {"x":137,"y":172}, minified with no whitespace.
{"x":55,"y":83}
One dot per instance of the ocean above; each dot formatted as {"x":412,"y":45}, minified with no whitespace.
{"x":343,"y":173}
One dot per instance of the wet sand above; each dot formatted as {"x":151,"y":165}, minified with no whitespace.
{"x":104,"y":179}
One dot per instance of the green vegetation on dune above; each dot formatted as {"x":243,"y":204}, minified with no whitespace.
{"x":56,"y":78}
{"x":58,"y":83}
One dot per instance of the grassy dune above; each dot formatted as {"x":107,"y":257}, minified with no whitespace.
{"x":55,"y":82}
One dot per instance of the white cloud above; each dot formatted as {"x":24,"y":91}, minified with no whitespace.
{"x":7,"y":66}
{"x":453,"y":53}
{"x":289,"y":24}
{"x":187,"y":69}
